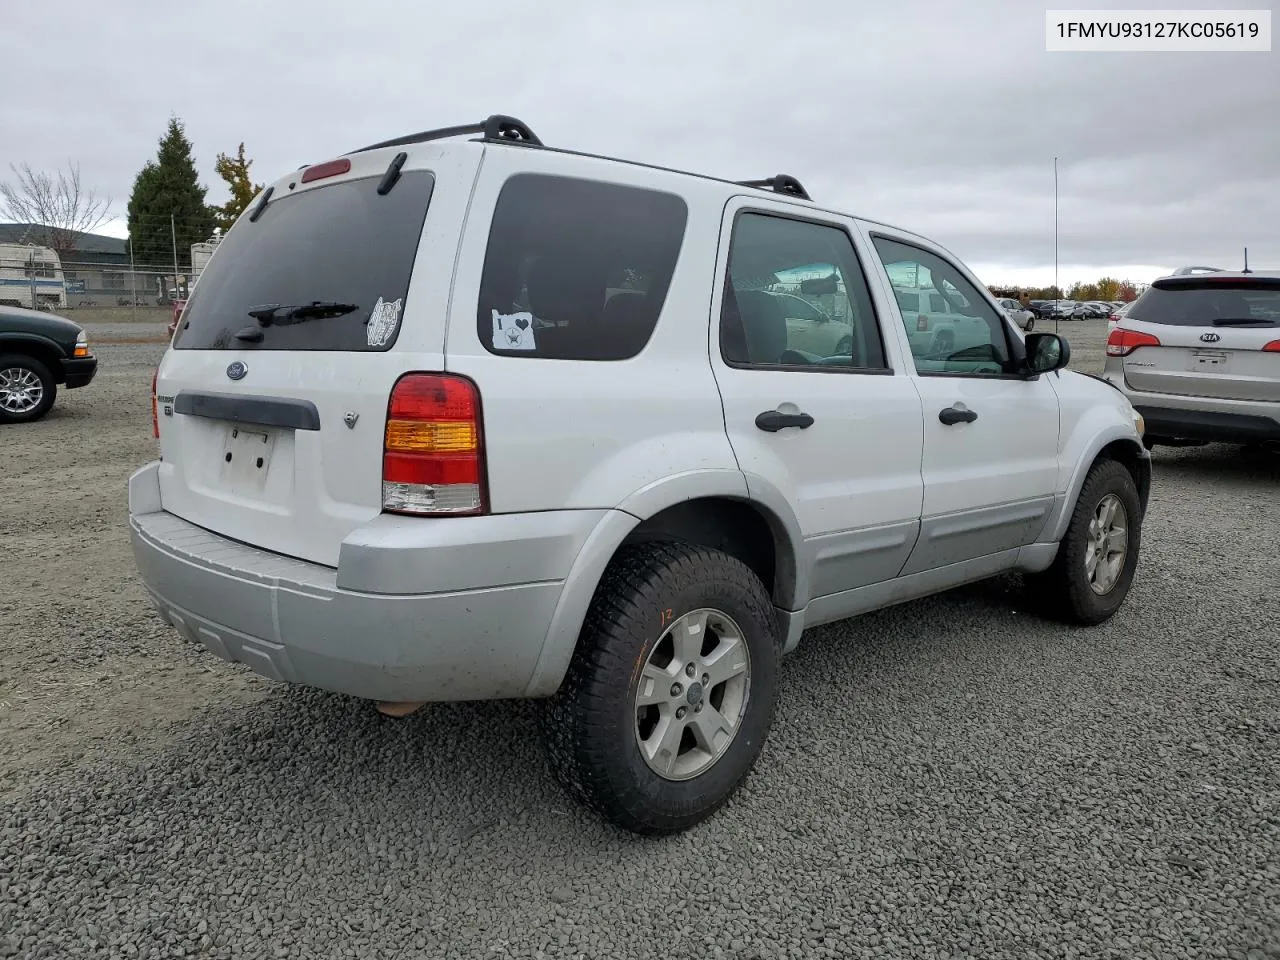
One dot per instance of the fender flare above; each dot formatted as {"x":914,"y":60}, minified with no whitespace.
{"x":603,"y":542}
{"x":33,"y":338}
{"x":1056,"y":527}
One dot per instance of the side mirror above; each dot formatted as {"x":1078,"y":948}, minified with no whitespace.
{"x":1046,"y":352}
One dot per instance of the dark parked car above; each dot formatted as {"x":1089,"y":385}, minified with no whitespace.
{"x":39,"y":351}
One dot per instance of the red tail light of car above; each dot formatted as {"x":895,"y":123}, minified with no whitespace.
{"x":1123,"y":342}
{"x":433,"y":460}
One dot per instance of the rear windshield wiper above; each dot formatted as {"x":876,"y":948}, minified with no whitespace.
{"x":1242,"y":321}
{"x":274,"y":313}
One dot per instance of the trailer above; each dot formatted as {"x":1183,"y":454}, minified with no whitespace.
{"x":31,"y":276}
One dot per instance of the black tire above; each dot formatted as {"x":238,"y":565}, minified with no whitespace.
{"x":1063,"y":592}
{"x":590,"y":725}
{"x":20,"y":361}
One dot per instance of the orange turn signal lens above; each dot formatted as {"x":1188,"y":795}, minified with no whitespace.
{"x":432,"y":436}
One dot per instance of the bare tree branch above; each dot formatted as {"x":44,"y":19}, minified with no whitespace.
{"x":59,"y":206}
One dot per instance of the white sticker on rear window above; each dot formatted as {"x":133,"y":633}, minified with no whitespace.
{"x":383,"y":322}
{"x":513,"y":331}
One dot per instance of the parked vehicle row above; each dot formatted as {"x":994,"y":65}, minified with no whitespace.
{"x":483,"y":417}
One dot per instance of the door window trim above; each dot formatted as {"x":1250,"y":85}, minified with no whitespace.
{"x":1017,"y":351}
{"x":886,"y":371}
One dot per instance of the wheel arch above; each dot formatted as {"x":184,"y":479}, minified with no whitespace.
{"x":37,"y":347}
{"x":744,"y":516}
{"x":1114,"y":444}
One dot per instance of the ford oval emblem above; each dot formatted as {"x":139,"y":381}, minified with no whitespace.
{"x":237,"y":370}
{"x":1210,"y":337}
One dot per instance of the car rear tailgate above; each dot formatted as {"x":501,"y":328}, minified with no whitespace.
{"x":271,"y":418}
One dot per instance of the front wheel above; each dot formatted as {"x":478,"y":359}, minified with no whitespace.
{"x":27,"y":388}
{"x":670,"y":694}
{"x":1093,"y":571}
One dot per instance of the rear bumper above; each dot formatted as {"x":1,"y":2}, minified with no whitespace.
{"x":295,"y":622}
{"x":1209,"y":419}
{"x":78,"y":372}
{"x":1208,"y":425}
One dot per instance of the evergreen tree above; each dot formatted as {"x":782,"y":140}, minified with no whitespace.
{"x":235,"y":171}
{"x":165,"y":188}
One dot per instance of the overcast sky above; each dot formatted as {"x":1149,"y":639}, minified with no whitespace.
{"x":939,"y":117}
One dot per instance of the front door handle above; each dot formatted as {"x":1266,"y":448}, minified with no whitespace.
{"x":774,"y":420}
{"x":952,"y":415}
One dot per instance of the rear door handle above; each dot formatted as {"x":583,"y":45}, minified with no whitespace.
{"x":953,"y":415}
{"x":774,"y":420}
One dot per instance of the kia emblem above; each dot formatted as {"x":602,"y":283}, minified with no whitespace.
{"x":1210,"y":337}
{"x":237,"y":370}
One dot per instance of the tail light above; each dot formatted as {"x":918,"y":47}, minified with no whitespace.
{"x":155,"y":410}
{"x":1272,"y":347}
{"x":433,"y":450}
{"x":922,"y":322}
{"x":1123,"y":342}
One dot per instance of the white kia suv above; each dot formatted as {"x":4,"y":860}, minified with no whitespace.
{"x":462,"y":416}
{"x":1198,"y":355}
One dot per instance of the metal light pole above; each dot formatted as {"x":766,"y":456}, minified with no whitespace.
{"x":173,"y":234}
{"x":133,"y":281}
{"x":1057,"y":290}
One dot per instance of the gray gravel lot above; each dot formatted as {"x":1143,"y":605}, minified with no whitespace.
{"x":949,"y":778}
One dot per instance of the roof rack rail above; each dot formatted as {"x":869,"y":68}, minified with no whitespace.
{"x":781,"y":183}
{"x":496,"y":127}
{"x":1191,"y":271}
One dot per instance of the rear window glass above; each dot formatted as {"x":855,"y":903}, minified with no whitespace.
{"x":340,"y":252}
{"x":1204,"y":303}
{"x":575,"y":269}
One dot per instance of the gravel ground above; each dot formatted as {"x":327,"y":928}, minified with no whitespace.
{"x":948,"y":778}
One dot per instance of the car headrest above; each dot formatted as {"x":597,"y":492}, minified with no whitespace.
{"x":763,"y":325}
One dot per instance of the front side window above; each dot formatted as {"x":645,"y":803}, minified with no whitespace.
{"x":961,"y":333}
{"x":577,"y":269}
{"x":796,"y":296}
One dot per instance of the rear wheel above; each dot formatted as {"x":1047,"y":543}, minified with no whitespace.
{"x":671,"y":692}
{"x":27,"y":389}
{"x":1092,"y":573}
{"x":1031,"y":324}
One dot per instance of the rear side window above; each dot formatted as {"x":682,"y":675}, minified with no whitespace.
{"x":325,"y":269}
{"x":1202,"y":302}
{"x":576,"y":269}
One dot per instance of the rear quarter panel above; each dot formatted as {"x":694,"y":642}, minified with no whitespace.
{"x":566,"y":434}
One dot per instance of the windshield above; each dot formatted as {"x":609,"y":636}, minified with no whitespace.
{"x":1206,"y":303}
{"x":327,"y":269}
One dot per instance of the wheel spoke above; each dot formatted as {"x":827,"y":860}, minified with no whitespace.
{"x":654,"y":687}
{"x":1090,"y":560}
{"x":687,"y":634}
{"x":727,"y":660}
{"x":663,"y":746}
{"x":711,"y":728}
{"x":1117,"y":540}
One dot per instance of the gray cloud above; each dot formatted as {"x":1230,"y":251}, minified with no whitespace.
{"x":941,"y":118}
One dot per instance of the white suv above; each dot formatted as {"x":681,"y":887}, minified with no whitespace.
{"x":461,"y":416}
{"x":1198,"y":354}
